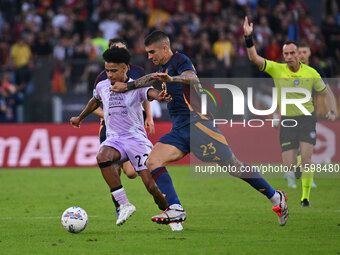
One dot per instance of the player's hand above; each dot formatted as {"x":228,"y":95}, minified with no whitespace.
{"x":162,"y":77}
{"x":75,"y":122}
{"x":119,"y":87}
{"x":331,"y":116}
{"x":163,"y":96}
{"x":149,"y":124}
{"x":248,"y":29}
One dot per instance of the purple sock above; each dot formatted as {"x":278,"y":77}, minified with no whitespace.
{"x":120,"y":196}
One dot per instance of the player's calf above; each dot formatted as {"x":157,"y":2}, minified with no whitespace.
{"x":152,"y":188}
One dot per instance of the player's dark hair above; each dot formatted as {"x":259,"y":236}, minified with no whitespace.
{"x":155,"y":36}
{"x":291,"y":42}
{"x":304,"y":44}
{"x":117,"y":55}
{"x":116,"y":40}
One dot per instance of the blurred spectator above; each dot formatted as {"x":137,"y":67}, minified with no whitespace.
{"x":64,"y":50}
{"x":41,"y":46}
{"x":10,"y":98}
{"x":4,"y":56}
{"x":2,"y":22}
{"x":109,"y":27}
{"x":273,"y":50}
{"x":21,"y":56}
{"x":224,"y":51}
{"x":79,"y":70}
{"x":60,"y":20}
{"x":263,"y":33}
{"x":100,"y":44}
{"x":331,"y":32}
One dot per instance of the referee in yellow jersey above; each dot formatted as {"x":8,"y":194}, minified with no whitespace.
{"x":294,"y":74}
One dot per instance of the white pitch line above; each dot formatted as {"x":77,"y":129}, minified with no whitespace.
{"x":39,"y":217}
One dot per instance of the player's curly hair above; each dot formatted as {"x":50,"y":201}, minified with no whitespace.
{"x":117,"y":55}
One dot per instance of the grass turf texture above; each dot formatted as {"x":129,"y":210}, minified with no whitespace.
{"x":225,"y":216}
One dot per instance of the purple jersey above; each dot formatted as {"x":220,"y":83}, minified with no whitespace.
{"x":122,"y":111}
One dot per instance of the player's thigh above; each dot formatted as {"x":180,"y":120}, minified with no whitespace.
{"x":129,"y":170}
{"x":289,"y":157}
{"x":306,"y":152}
{"x":107,"y":153}
{"x":163,"y":154}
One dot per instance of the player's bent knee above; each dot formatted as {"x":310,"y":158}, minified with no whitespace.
{"x":152,"y":164}
{"x":103,"y":155}
{"x":102,"y":158}
{"x":132,"y":175}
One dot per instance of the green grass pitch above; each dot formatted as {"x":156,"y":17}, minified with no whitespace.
{"x":224,"y":216}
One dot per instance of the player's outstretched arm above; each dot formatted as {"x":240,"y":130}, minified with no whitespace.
{"x":90,"y":107}
{"x":330,"y":103}
{"x":148,"y":123}
{"x":99,"y":112}
{"x":251,"y":50}
{"x":144,"y":81}
{"x":187,"y":77}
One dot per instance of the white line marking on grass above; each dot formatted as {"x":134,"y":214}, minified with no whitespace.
{"x":39,"y":217}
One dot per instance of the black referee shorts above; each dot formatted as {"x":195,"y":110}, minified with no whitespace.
{"x":303,"y":132}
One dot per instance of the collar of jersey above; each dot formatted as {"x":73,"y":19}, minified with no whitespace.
{"x":297,"y":70}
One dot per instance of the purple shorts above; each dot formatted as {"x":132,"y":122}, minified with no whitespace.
{"x":134,"y":149}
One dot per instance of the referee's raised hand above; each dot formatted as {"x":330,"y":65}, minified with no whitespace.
{"x":247,"y":28}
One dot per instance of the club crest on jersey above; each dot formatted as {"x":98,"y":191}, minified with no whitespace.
{"x":296,"y":82}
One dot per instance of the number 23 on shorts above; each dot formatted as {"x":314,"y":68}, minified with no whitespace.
{"x":208,"y":149}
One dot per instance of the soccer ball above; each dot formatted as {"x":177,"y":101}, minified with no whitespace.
{"x":74,"y":219}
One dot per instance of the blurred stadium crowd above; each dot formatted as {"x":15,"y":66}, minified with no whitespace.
{"x":72,"y":34}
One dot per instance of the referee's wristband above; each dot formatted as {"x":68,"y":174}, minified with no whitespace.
{"x":131,"y":85}
{"x":249,"y":40}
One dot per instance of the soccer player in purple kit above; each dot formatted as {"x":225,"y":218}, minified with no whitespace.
{"x":126,"y":136}
{"x":179,"y":76}
{"x":134,"y":72}
{"x":161,"y":175}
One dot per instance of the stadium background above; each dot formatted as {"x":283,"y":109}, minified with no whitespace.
{"x":66,"y":40}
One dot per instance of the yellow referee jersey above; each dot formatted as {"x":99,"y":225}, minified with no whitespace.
{"x":306,"y":77}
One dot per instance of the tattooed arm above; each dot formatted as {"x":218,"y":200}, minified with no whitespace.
{"x":145,"y":81}
{"x":187,"y":77}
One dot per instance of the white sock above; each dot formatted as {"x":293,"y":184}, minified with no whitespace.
{"x":275,"y":199}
